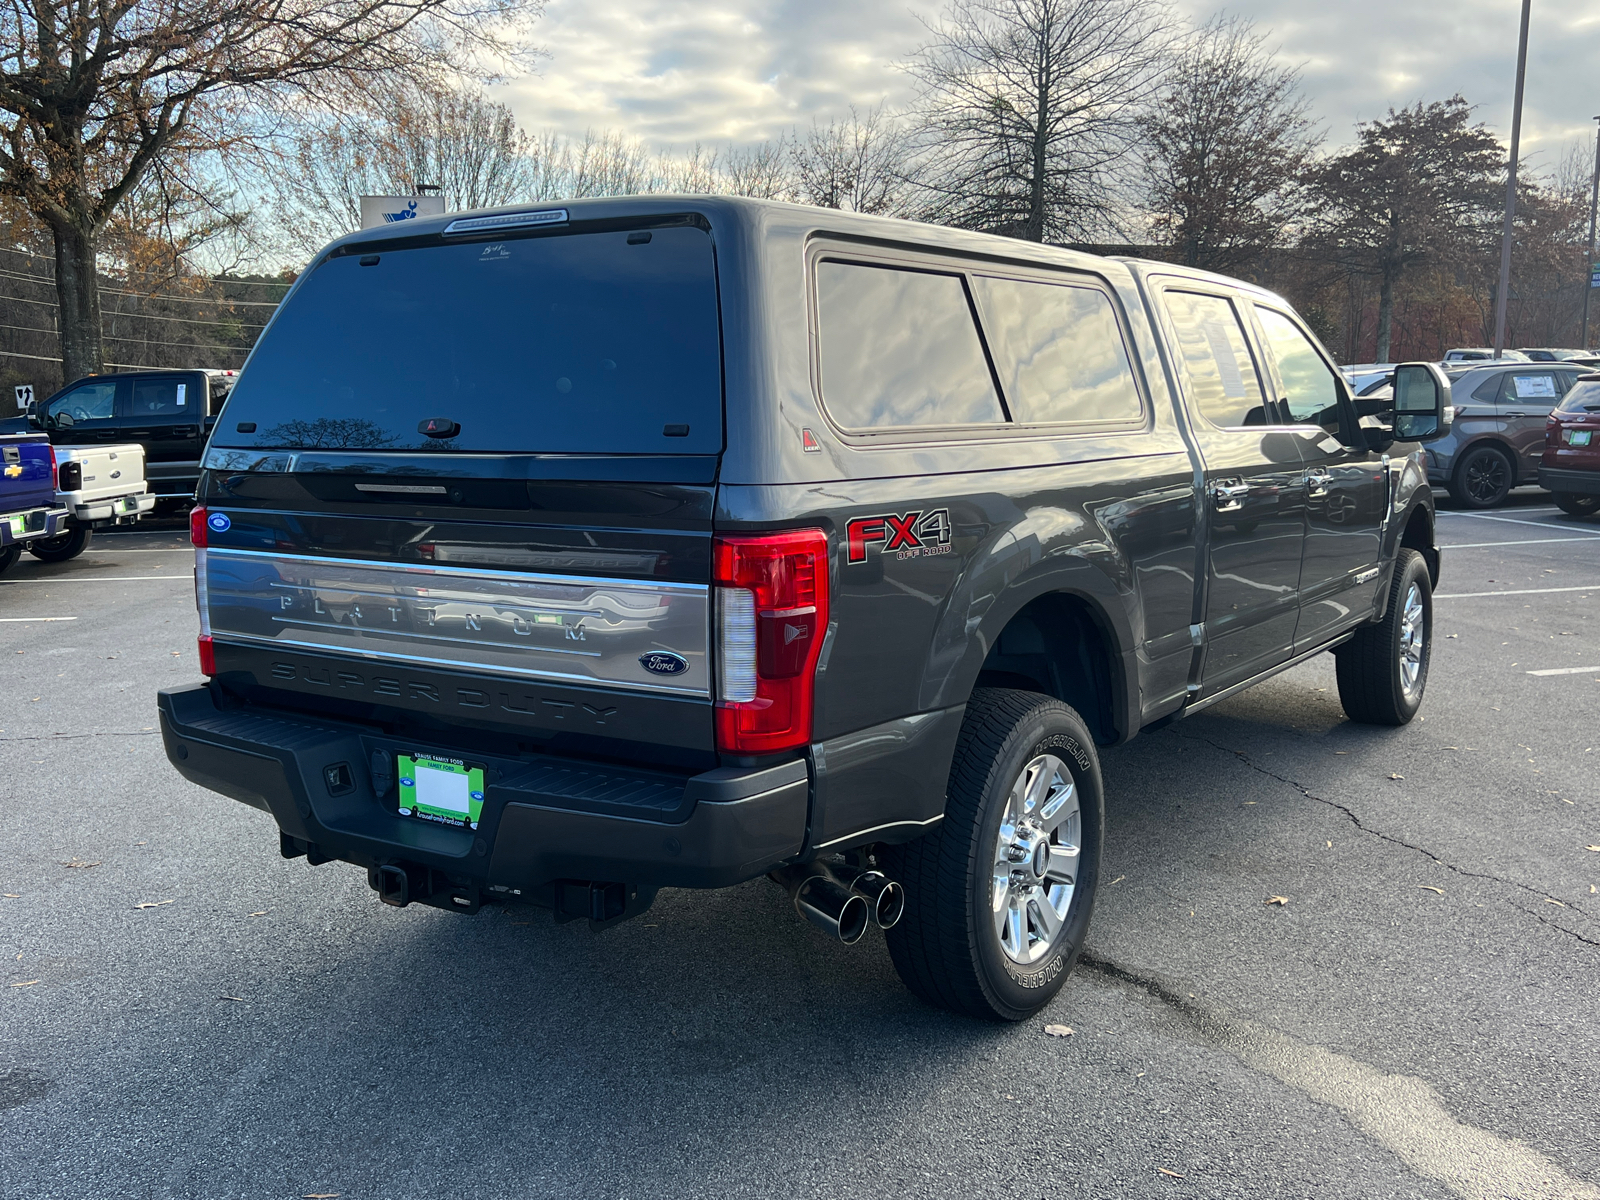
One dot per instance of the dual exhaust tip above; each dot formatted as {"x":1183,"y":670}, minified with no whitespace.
{"x":841,"y":901}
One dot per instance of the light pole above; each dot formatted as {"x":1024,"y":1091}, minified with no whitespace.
{"x":1511,"y":188}
{"x":1588,"y":250}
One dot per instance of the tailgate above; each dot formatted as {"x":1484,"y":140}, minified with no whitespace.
{"x":99,"y":473}
{"x":27,"y":474}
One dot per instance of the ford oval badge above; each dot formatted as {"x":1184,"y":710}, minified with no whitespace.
{"x":219,"y":522}
{"x":664,"y":662}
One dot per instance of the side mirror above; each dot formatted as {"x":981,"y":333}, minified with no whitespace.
{"x":1422,"y":410}
{"x":35,"y":416}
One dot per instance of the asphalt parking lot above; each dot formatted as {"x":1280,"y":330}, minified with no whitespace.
{"x":185,"y":1014}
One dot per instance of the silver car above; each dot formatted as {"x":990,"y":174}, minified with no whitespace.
{"x":1497,"y":438}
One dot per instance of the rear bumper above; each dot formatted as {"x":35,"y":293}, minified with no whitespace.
{"x":89,"y":510}
{"x":1582,"y":483}
{"x":38,"y":523}
{"x":544,"y":818}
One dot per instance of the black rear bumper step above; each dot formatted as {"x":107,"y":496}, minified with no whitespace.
{"x":543,"y":819}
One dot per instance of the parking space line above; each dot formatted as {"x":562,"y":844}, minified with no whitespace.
{"x":91,"y":579}
{"x":1528,"y":542}
{"x":1567,"y":671}
{"x":1507,"y":520}
{"x":1593,"y":587}
{"x":10,"y":620}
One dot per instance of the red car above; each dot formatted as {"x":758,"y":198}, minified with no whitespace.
{"x":1570,"y":468}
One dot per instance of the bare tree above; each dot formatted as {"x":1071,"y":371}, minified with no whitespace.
{"x":1029,"y":108}
{"x":94,"y":93}
{"x":856,"y":164}
{"x":763,"y":171}
{"x":415,"y":132}
{"x":1227,"y":144}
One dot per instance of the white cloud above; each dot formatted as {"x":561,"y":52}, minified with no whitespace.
{"x":672,"y":72}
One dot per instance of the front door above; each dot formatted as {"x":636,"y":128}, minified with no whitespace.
{"x":1527,"y":396}
{"x":83,"y":414}
{"x":1254,"y":492}
{"x":1347,"y":486}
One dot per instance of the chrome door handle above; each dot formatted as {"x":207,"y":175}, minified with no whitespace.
{"x":1513,"y":414}
{"x":1229,"y":496}
{"x":1317,"y":483}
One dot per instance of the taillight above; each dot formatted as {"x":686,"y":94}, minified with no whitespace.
{"x":771,"y":614}
{"x":202,"y":590}
{"x":208,"y":655}
{"x":55,"y":471}
{"x":197,"y":526}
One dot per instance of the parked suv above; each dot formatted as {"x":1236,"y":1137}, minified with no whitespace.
{"x":169,"y":413}
{"x":1497,"y":437}
{"x":1571,"y":464}
{"x":559,"y":555}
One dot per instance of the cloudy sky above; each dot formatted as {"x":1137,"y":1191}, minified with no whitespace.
{"x":673,"y":72}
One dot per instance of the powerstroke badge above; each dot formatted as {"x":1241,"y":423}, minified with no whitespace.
{"x":907,"y":535}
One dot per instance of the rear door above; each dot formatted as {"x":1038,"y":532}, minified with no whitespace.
{"x":1347,"y":486}
{"x":1254,"y":488}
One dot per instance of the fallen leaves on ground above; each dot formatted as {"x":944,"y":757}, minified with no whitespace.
{"x":262,"y":913}
{"x":1280,"y":901}
{"x":1596,"y":849}
{"x":18,"y":895}
{"x":154,"y":903}
{"x":1396,"y":776}
{"x":235,"y":999}
{"x":25,"y":983}
{"x":321,"y":1196}
{"x":78,"y":862}
{"x":1557,"y":903}
{"x":1430,"y":888}
{"x":1174,"y":1174}
{"x":1058,"y":1030}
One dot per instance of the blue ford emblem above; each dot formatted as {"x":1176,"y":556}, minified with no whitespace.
{"x":663,"y":662}
{"x":219,"y":522}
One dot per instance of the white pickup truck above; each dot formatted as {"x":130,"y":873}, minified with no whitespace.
{"x":98,"y":486}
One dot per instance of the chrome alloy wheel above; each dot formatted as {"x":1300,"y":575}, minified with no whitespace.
{"x":1036,"y":859}
{"x":1413,"y":640}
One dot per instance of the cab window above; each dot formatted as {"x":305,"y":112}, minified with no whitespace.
{"x":1310,"y":387}
{"x":88,"y":403}
{"x":1224,"y":383}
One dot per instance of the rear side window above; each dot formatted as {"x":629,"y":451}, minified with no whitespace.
{"x":1058,"y":351}
{"x":1222,"y":372}
{"x":579,"y":343}
{"x":900,"y":348}
{"x":166,"y":397}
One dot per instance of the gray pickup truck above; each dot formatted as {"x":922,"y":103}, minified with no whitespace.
{"x":555,"y":555}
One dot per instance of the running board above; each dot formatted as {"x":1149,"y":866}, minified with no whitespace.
{"x":1195,"y":706}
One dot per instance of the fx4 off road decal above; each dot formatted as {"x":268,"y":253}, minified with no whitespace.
{"x":905,"y":534}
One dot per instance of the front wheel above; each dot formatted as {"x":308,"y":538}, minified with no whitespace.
{"x":62,"y":547}
{"x":1576,"y":505}
{"x":998,"y":898}
{"x":1383,"y":670}
{"x":1483,"y":478}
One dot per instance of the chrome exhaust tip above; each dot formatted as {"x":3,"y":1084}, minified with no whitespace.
{"x":826,"y":903}
{"x":887,"y":898}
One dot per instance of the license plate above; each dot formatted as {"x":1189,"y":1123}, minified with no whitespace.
{"x":19,"y":525}
{"x":445,"y":791}
{"x":1578,"y":437}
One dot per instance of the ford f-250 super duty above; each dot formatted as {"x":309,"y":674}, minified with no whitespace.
{"x":560,"y":554}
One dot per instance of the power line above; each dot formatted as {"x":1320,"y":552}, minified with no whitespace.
{"x":52,"y":358}
{"x":116,"y":312}
{"x":162,"y":296}
{"x":222,"y":278}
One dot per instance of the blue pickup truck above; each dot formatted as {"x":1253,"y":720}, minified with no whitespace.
{"x":28,"y":509}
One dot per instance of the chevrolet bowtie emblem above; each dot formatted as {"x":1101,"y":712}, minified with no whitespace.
{"x":13,"y":471}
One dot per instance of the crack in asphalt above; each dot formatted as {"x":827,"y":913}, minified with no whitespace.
{"x":1399,"y":841}
{"x":67,"y":737}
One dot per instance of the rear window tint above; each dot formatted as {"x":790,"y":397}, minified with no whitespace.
{"x":577,"y":343}
{"x":899,"y":348}
{"x":165,"y":398}
{"x":1058,"y":350}
{"x":1585,"y":394}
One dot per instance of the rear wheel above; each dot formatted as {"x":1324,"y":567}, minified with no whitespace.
{"x":9,"y":556}
{"x":998,"y":898}
{"x":1578,"y":506}
{"x":1483,"y":478}
{"x":63,"y":547}
{"x":1383,"y":670}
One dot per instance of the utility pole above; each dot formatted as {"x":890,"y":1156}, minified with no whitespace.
{"x":1511,"y":188}
{"x":1588,"y":253}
